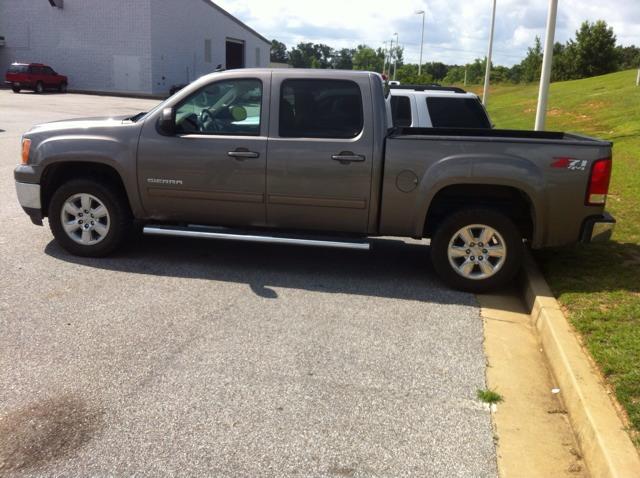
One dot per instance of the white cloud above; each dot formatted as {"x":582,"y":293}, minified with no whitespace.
{"x":454,"y":33}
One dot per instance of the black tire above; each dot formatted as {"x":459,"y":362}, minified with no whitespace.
{"x":114,"y":200}
{"x":62,"y":88}
{"x":449,"y":228}
{"x":16,"y":89}
{"x":39,"y":87}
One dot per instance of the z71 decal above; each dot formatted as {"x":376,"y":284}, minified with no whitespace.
{"x":570,"y":163}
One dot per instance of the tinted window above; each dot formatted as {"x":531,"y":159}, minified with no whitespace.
{"x":320,"y":109}
{"x":401,"y":111}
{"x":457,"y":113}
{"x":18,"y":68}
{"x":225,"y":107}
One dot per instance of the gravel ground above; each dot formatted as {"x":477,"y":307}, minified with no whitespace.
{"x":183,"y":357}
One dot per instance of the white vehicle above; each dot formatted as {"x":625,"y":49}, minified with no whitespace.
{"x":433,"y":106}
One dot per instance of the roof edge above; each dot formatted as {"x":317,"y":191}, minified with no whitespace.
{"x":234,"y":19}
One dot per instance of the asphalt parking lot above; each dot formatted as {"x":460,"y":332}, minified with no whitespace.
{"x":185,"y":357}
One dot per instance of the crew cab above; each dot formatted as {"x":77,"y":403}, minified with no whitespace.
{"x":36,"y":77}
{"x":435,"y":106}
{"x":310,"y":157}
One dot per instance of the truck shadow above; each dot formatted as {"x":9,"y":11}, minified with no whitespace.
{"x":392,"y":269}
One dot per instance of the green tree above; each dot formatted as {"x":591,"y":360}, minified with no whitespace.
{"x":595,"y":49}
{"x":532,"y":63}
{"x":564,"y":62}
{"x":366,"y":58}
{"x":343,"y":59}
{"x":311,"y":55}
{"x":455,"y":75}
{"x":279,"y":52}
{"x":408,"y":74}
{"x":301,"y":55}
{"x":437,"y":70}
{"x":628,"y":56}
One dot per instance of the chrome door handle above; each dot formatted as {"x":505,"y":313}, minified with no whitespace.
{"x":243,"y":154}
{"x":348,"y":157}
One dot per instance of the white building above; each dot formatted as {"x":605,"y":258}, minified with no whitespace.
{"x":137,"y":46}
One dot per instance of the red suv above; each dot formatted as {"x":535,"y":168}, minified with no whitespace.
{"x":34,"y":76}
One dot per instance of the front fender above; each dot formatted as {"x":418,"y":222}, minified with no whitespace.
{"x":118,"y":153}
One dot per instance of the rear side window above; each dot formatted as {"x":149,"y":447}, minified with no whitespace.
{"x":320,"y":109}
{"x":401,"y":111}
{"x":457,"y":113}
{"x":18,"y":69}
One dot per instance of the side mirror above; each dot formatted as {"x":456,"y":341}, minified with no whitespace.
{"x":167,"y":122}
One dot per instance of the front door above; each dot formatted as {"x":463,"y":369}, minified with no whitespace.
{"x":320,"y":153}
{"x":212,"y":171}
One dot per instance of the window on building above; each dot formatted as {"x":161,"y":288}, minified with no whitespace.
{"x":320,"y":109}
{"x":457,"y":113}
{"x":401,"y":111}
{"x":207,"y":50}
{"x":230,"y":107}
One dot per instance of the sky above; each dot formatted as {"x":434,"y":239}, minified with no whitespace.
{"x":454,"y":33}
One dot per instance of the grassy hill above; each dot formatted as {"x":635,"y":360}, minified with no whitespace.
{"x":598,"y":284}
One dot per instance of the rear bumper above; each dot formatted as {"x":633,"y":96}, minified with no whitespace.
{"x":598,"y":228}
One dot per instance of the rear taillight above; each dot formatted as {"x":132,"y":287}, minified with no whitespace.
{"x":599,"y":182}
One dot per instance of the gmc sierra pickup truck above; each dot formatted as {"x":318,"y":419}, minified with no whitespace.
{"x":310,"y":157}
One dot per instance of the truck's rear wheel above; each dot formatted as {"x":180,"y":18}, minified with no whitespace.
{"x":477,"y":250}
{"x":88,"y":218}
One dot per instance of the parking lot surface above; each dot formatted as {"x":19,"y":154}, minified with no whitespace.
{"x":185,"y":357}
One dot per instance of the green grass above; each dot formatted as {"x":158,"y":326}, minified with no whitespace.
{"x":598,"y":284}
{"x":489,"y":396}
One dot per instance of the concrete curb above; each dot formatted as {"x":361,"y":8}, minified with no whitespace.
{"x":606,"y":447}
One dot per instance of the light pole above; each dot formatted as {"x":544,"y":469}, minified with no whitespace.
{"x":395,"y":58}
{"x":487,"y":72}
{"x":421,"y":12}
{"x":547,"y":60}
{"x":384,"y":64}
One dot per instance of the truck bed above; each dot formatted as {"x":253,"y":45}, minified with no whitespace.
{"x":550,"y":169}
{"x":497,"y":135}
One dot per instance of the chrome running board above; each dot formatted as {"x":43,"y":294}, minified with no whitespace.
{"x":206,"y":232}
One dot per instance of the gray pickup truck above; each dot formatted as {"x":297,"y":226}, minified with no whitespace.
{"x":310,"y":157}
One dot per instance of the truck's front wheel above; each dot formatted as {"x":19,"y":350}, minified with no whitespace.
{"x":477,"y":250}
{"x":88,"y":218}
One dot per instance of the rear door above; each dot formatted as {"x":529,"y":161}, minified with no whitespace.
{"x":320,"y":152}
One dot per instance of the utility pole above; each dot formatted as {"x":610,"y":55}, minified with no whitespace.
{"x":638,"y":78}
{"x":547,"y":61}
{"x":421,"y":12}
{"x":465,"y":75}
{"x":395,"y":58}
{"x":384,"y":65}
{"x":487,"y":72}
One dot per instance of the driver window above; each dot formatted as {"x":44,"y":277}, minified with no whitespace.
{"x":230,"y":107}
